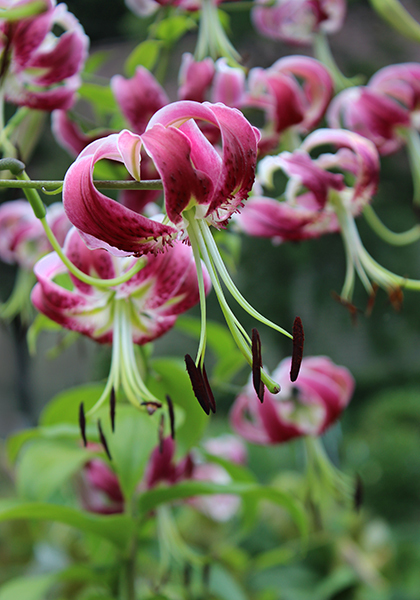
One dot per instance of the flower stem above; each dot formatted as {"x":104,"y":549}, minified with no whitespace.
{"x":396,"y":239}
{"x":103,"y":184}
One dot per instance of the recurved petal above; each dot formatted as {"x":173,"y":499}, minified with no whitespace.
{"x":105,"y":223}
{"x":139,"y":97}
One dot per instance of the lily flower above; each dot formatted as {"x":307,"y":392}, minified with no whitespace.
{"x":37,"y":68}
{"x":386,"y":111}
{"x":202,"y":186}
{"x":319,"y":200}
{"x":297,"y":21}
{"x":136,"y":311}
{"x":195,"y":78}
{"x":22,"y":243}
{"x":293,"y":93}
{"x":306,"y":407}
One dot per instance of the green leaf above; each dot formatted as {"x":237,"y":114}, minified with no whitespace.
{"x":101,"y":97}
{"x":223,"y":584}
{"x":64,"y":407}
{"x":46,"y":465}
{"x":96,"y":60}
{"x":170,"y":30}
{"x":117,"y":529}
{"x":145,"y":54}
{"x":135,"y":436}
{"x":172,"y":379}
{"x":29,"y":587}
{"x":187,"y":489}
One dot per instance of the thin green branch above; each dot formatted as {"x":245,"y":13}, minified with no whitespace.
{"x":149,"y":184}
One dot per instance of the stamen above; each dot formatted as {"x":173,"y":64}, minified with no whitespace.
{"x":353,"y":310}
{"x":297,"y":353}
{"x":171,"y":415}
{"x":112,"y":402}
{"x":82,"y":423}
{"x":257,"y":365}
{"x":358,"y":493}
{"x":200,"y":385}
{"x":161,"y":432}
{"x":151,"y":406}
{"x":103,"y":440}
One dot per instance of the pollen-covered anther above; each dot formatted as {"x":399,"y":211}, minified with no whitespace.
{"x":103,"y":440}
{"x":112,"y":403}
{"x":82,"y":423}
{"x":257,"y":365}
{"x":297,"y":352}
{"x":171,"y":415}
{"x":151,"y":406}
{"x":200,"y":385}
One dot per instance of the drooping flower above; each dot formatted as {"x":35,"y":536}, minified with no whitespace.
{"x":297,"y":21}
{"x":202,"y":185}
{"x":195,"y":78}
{"x":39,"y":69}
{"x":136,"y":311}
{"x":319,"y":200}
{"x":306,"y":407}
{"x":22,"y":242}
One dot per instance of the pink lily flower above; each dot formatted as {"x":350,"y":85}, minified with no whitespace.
{"x":202,"y":187}
{"x":101,"y":491}
{"x":297,"y":21}
{"x":309,"y":208}
{"x":136,"y":311}
{"x":219,"y":507}
{"x":304,"y":408}
{"x":294,"y":93}
{"x":22,"y":237}
{"x":195,"y":78}
{"x":38,"y":69}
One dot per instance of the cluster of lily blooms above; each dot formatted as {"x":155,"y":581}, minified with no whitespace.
{"x":205,"y":154}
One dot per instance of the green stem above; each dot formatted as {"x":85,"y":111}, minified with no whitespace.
{"x":396,"y":239}
{"x":323,"y":53}
{"x":413,"y":146}
{"x":149,"y":184}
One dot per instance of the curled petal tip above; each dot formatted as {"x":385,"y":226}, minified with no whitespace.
{"x":297,"y":353}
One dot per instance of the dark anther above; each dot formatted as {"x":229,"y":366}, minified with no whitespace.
{"x":171,"y":415}
{"x":358,"y":493}
{"x":297,"y":353}
{"x":200,"y":385}
{"x":371,"y":301}
{"x":257,"y":365}
{"x":151,"y":407}
{"x":112,"y":401}
{"x":82,"y":423}
{"x":161,"y":432}
{"x":103,"y":440}
{"x":396,"y":298}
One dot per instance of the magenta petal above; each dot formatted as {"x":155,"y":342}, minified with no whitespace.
{"x":103,"y":222}
{"x":139,"y":97}
{"x":27,"y":35}
{"x":195,"y":78}
{"x":62,"y":62}
{"x":170,"y":150}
